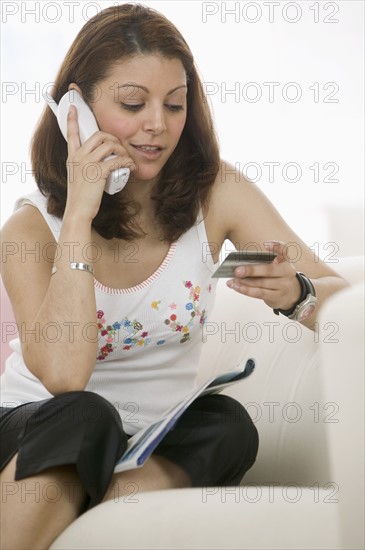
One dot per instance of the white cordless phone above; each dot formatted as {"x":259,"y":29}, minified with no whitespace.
{"x":87,"y":127}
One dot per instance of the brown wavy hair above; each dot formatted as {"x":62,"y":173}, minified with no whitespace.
{"x":114,"y":34}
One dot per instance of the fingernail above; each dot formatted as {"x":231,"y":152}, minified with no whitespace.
{"x":230,"y":283}
{"x":240,"y":271}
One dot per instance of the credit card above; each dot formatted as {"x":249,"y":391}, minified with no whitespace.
{"x":242,"y":257}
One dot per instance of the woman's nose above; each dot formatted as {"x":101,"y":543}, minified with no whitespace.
{"x":155,"y":121}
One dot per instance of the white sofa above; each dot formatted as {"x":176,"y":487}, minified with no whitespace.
{"x":306,"y":396}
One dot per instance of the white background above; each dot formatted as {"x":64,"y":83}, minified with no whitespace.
{"x":311,"y":117}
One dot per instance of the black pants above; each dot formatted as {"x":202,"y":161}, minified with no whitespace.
{"x":214,"y":441}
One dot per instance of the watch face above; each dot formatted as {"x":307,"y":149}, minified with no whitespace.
{"x":306,"y":312}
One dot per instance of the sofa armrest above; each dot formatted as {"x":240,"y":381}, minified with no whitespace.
{"x":342,"y":379}
{"x":232,"y":518}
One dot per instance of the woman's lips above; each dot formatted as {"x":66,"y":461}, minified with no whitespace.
{"x":151,"y":152}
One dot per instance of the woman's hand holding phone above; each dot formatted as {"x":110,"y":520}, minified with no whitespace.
{"x":88,"y":167}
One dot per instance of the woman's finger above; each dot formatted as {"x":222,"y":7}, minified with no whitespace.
{"x":261,"y":270}
{"x":73,"y":138}
{"x":280,"y":249}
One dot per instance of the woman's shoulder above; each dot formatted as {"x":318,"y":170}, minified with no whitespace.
{"x":25,"y":224}
{"x":231,"y":192}
{"x":230,"y":181}
{"x":31,"y":219}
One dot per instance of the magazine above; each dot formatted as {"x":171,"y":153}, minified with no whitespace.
{"x":142,"y":444}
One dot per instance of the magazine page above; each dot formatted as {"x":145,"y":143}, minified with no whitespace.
{"x":229,"y":378}
{"x":142,"y":444}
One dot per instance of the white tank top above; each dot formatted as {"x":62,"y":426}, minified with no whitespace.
{"x":150,"y":335}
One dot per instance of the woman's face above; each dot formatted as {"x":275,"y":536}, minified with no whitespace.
{"x":143,"y":103}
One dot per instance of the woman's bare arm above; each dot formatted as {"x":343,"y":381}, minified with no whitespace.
{"x":56,"y":314}
{"x":247,"y":216}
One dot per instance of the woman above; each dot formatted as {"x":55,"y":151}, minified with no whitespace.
{"x":101,"y":357}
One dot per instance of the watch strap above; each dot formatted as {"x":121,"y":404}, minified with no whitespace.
{"x":306,"y":287}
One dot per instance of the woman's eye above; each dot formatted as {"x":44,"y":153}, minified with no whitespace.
{"x":132,"y":107}
{"x":175,"y":107}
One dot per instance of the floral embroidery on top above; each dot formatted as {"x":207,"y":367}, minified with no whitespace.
{"x":195,"y":312}
{"x":110,"y":334}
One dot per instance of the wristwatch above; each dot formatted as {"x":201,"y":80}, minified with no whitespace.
{"x":306,"y":303}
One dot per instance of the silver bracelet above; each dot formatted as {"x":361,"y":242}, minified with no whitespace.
{"x":77,"y":265}
{"x":82,"y":267}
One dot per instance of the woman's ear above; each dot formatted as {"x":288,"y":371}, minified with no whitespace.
{"x":74,"y":86}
